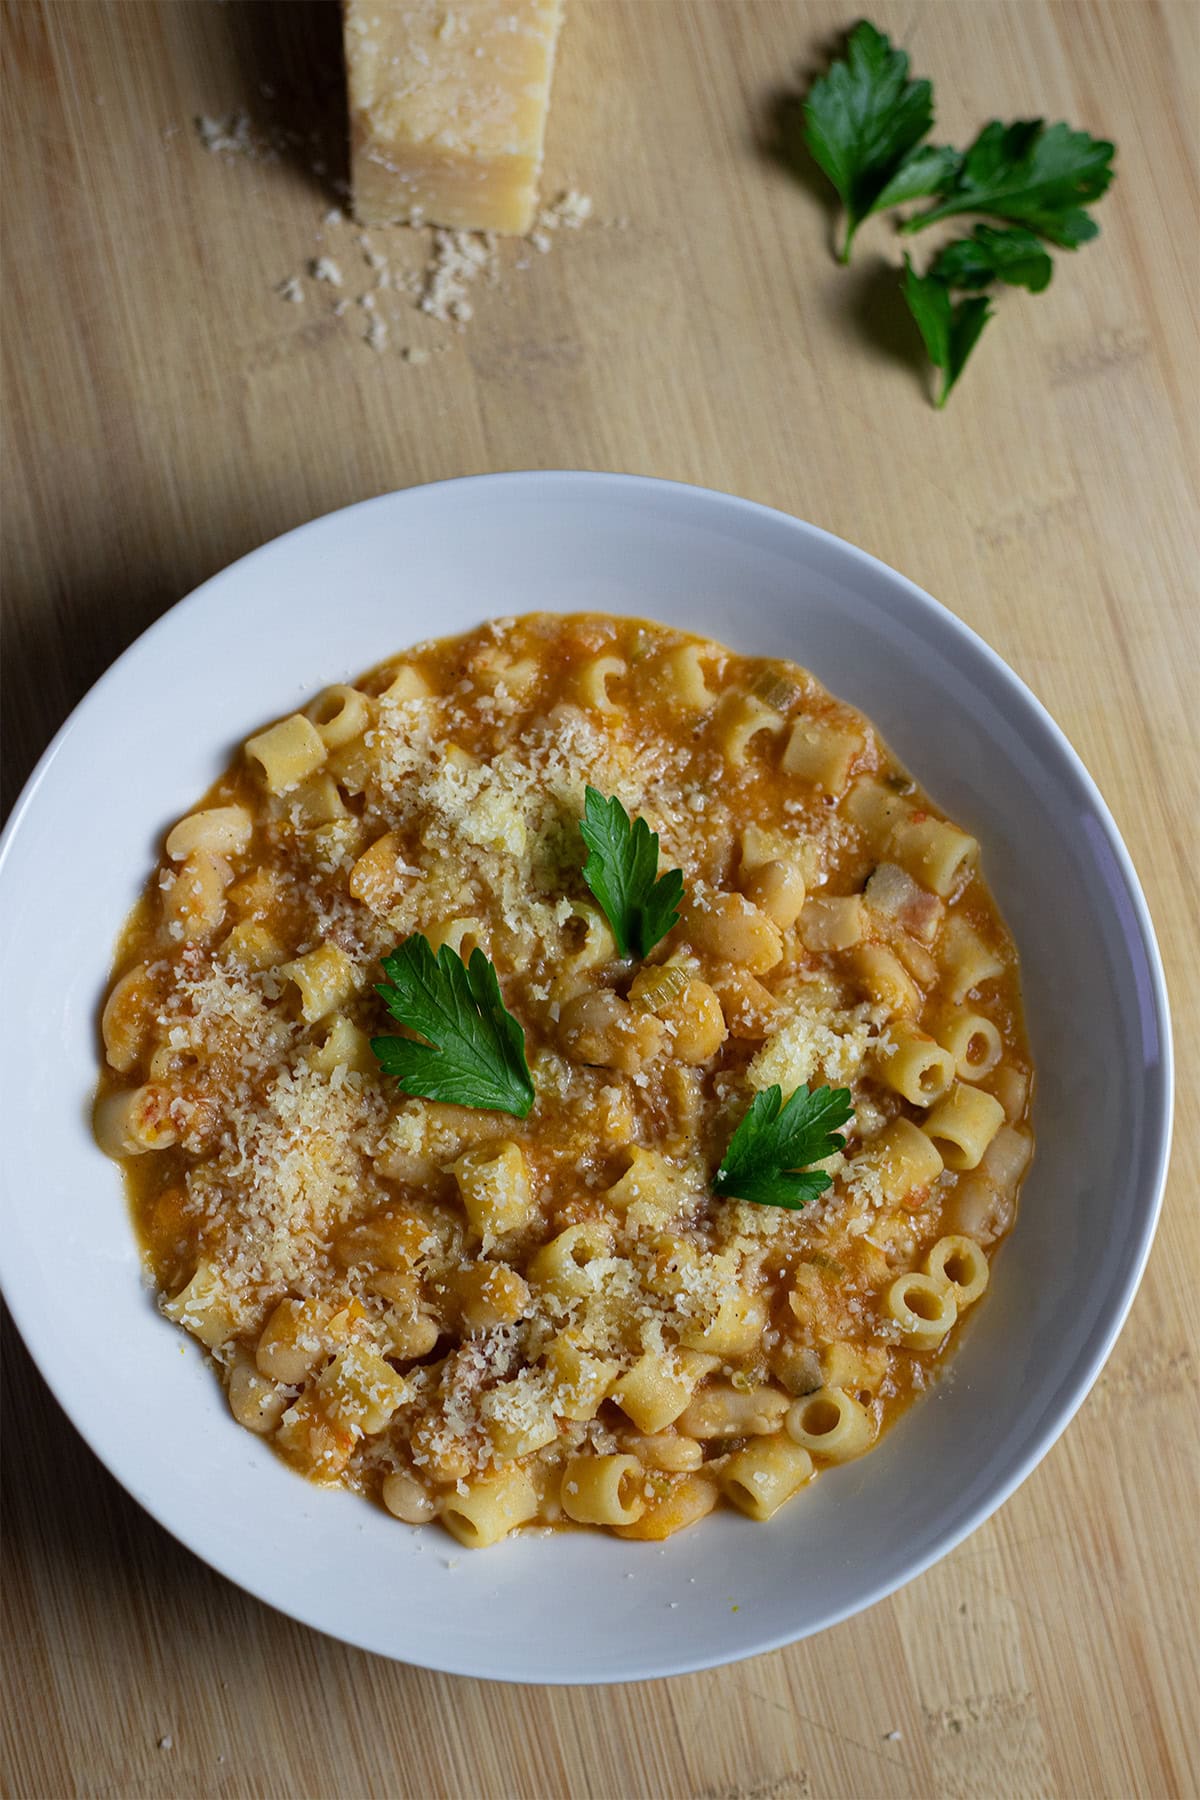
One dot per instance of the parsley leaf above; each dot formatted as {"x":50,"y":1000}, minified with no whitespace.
{"x":768,"y":1153}
{"x":863,"y":122}
{"x":1014,"y":255}
{"x":1035,"y":177}
{"x":475,"y":1053}
{"x":950,"y":330}
{"x":929,"y":170}
{"x":622,"y":872}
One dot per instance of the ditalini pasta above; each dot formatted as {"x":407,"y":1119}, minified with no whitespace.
{"x":496,"y":1320}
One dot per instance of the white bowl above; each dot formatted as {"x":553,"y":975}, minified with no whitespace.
{"x":321,"y":605}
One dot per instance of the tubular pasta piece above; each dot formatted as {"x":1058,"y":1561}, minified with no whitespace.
{"x":494,"y":1184}
{"x":877,"y":810}
{"x":936,"y":854}
{"x":821,"y":755}
{"x":324,"y":979}
{"x":655,"y":1391}
{"x":740,"y":718}
{"x":593,"y":682}
{"x":204,"y":1307}
{"x":464,"y":936}
{"x":677,"y":1501}
{"x":287,"y":752}
{"x":760,"y":1478}
{"x":340,"y":715}
{"x":916,"y":1067}
{"x":317,"y":801}
{"x":902,"y":1161}
{"x":973,"y":1041}
{"x":603,"y":1490}
{"x":684,"y":669}
{"x":131,"y":1121}
{"x":884,"y":977}
{"x":960,"y":1264}
{"x":407,"y":683}
{"x":963,"y":1125}
{"x":965,"y":960}
{"x":518,"y":1417}
{"x":490,"y":1509}
{"x":924,"y":1309}
{"x":579,"y":1380}
{"x":831,"y":1424}
{"x":735,"y":1331}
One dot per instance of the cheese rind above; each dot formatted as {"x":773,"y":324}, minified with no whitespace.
{"x":448,"y":105}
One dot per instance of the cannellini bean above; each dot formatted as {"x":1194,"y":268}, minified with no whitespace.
{"x":732,"y":929}
{"x":731,"y":1412}
{"x":603,"y":1029}
{"x":696,"y":1023}
{"x":777,"y":888}
{"x":406,"y":1499}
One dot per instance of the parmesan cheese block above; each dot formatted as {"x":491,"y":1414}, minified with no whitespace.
{"x":448,"y":104}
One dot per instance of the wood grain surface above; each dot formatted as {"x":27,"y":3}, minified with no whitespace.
{"x":167,"y":411}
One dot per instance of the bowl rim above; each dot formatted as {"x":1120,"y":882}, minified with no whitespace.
{"x":1159,"y":1091}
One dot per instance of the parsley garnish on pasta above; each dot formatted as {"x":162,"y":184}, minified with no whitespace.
{"x":769,"y":1153}
{"x":622,"y":872}
{"x":475,"y":1050}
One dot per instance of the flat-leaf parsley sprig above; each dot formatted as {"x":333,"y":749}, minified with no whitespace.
{"x":1030,"y":174}
{"x":622,"y":872}
{"x":770,"y":1152}
{"x":1013,"y":255}
{"x":475,"y":1050}
{"x":863,"y":123}
{"x":950,"y":328}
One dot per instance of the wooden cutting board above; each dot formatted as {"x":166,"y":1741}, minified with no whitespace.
{"x":167,"y":410}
